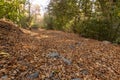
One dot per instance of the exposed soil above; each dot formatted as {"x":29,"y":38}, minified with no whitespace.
{"x":55,"y":55}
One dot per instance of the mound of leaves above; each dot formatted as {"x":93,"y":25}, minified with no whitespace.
{"x":54,"y":55}
{"x":14,"y":46}
{"x":8,"y":35}
{"x":12,"y":37}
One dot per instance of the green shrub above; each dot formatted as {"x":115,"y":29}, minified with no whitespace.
{"x":94,"y":29}
{"x":117,"y":40}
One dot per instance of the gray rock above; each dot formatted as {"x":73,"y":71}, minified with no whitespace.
{"x":54,"y":55}
{"x":84,"y":72}
{"x":34,"y":75}
{"x":66,"y":61}
{"x":5,"y":77}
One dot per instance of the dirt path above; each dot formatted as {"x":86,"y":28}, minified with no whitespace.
{"x":55,"y":55}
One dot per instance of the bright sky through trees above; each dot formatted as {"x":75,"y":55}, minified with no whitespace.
{"x":43,"y":4}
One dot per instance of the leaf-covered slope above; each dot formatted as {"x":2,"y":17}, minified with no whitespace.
{"x":55,"y":55}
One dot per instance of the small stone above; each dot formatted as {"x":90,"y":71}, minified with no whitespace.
{"x":54,"y":55}
{"x":84,"y":71}
{"x":68,"y":62}
{"x":34,"y":75}
{"x":5,"y":77}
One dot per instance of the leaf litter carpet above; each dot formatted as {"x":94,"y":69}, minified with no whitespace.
{"x":55,"y":55}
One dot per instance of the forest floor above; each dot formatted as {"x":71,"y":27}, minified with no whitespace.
{"x":55,"y":55}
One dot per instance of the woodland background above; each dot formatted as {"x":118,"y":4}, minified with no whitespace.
{"x":97,"y":19}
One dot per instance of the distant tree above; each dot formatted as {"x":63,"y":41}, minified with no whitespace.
{"x":62,"y":11}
